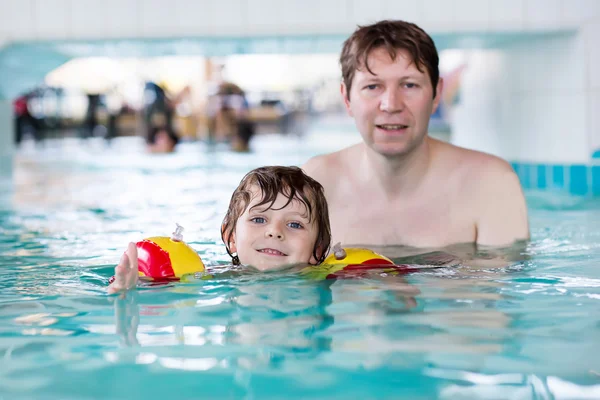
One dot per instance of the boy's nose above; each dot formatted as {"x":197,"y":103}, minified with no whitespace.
{"x":274,"y":233}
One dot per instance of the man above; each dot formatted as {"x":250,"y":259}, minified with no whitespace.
{"x":399,"y":186}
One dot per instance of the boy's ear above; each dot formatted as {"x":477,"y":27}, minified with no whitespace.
{"x":320,"y":251}
{"x":231,"y":245}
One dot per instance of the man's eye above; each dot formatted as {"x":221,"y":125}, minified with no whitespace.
{"x":295,"y":225}
{"x":410,"y":85}
{"x":371,"y":87}
{"x":258,"y":220}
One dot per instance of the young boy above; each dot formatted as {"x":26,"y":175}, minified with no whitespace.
{"x":277,"y":216}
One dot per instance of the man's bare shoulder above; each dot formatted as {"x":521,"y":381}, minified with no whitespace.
{"x":473,"y":165}
{"x":481,"y":176}
{"x":491,"y":188}
{"x":326,"y":167}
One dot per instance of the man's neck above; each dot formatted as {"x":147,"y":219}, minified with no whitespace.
{"x":401,"y":174}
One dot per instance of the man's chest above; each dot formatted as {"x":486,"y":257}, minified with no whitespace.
{"x":432,"y":223}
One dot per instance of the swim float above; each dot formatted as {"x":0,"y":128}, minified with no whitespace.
{"x":353,"y":262}
{"x":167,"y":258}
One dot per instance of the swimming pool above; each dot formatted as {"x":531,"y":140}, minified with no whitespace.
{"x":528,"y":331}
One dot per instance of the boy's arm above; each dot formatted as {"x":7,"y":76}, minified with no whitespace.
{"x":126,"y":273}
{"x":127,"y":318}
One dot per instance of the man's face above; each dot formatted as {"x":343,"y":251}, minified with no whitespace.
{"x":392,"y":106}
{"x":268,"y":239}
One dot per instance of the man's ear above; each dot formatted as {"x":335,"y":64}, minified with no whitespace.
{"x":346,"y":98}
{"x":438,"y":95}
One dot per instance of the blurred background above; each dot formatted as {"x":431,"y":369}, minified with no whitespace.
{"x":521,"y":75}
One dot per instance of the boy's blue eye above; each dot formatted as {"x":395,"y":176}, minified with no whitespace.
{"x":258,"y":220}
{"x":410,"y":85}
{"x":295,"y":225}
{"x":371,"y":87}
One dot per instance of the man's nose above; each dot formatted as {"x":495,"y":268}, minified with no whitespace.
{"x":274,"y":231}
{"x":391,"y":101}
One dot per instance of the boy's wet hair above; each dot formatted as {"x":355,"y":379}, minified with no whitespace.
{"x":391,"y":36}
{"x":294,"y":184}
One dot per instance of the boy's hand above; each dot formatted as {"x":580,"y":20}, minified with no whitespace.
{"x":126,"y":273}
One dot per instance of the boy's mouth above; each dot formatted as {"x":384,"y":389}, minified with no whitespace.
{"x":272,"y":252}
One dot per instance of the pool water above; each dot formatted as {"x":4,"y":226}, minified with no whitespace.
{"x":530,"y":330}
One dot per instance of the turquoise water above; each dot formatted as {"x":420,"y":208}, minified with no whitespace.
{"x":527,"y":331}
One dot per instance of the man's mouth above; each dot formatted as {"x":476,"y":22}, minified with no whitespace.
{"x":392,"y":127}
{"x":272,"y":252}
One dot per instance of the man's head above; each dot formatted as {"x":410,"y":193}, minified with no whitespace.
{"x":391,"y":85}
{"x":277,"y":216}
{"x":391,"y":36}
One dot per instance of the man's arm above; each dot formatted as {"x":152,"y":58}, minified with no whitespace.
{"x":503,"y":212}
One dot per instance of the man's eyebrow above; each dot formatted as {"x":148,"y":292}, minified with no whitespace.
{"x":370,"y":77}
{"x":414,"y":76}
{"x":377,"y":78}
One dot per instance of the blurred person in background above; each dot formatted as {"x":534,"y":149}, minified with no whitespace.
{"x":162,"y":140}
{"x":24,"y":120}
{"x":116,"y":108}
{"x":228,"y":117}
{"x":159,"y":111}
{"x":90,"y":121}
{"x":158,"y":107}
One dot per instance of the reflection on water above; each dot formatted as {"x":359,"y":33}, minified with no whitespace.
{"x":521,"y":322}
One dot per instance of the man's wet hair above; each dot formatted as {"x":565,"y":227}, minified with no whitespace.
{"x":391,"y":36}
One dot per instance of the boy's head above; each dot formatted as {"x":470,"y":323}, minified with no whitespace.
{"x":391,"y":36}
{"x":277,"y":216}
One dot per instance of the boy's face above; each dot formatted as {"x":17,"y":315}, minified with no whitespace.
{"x":270,"y":239}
